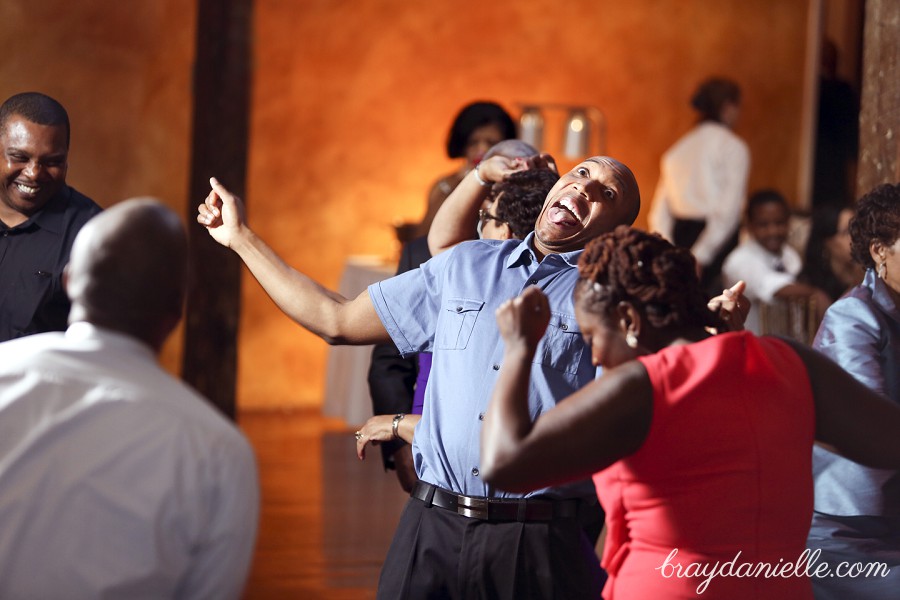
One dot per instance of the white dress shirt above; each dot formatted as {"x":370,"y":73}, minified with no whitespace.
{"x":765,"y":273}
{"x":116,"y":479}
{"x":703,"y":177}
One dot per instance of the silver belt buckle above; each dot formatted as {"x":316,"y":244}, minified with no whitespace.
{"x":474,"y":508}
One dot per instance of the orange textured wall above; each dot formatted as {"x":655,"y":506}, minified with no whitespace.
{"x":122,"y":70}
{"x":352,"y":101}
{"x":351,"y":104}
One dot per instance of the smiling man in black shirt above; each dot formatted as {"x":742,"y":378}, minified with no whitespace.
{"x":39,"y":215}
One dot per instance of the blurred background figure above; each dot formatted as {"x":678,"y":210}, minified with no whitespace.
{"x":476,"y":128}
{"x":828,"y":262}
{"x":703,"y":182}
{"x":770,"y":267}
{"x":857,"y":509}
{"x":837,"y":135}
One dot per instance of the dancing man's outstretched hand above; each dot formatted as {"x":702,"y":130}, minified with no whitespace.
{"x":222,"y":213}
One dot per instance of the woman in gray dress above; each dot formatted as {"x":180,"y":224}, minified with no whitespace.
{"x":857,"y":509}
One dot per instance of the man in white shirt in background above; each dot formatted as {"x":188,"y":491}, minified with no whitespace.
{"x":703,"y":182}
{"x":116,"y":479}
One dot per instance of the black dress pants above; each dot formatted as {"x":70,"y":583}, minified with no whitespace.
{"x":437,"y":553}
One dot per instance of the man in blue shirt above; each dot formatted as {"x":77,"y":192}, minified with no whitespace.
{"x":459,"y":537}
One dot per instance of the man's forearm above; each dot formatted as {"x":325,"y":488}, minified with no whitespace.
{"x":323,"y":312}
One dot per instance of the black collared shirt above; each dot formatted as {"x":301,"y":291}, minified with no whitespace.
{"x":32,"y":257}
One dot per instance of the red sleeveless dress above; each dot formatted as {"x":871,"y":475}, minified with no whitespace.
{"x":724,"y":477}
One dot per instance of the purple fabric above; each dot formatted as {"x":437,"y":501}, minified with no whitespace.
{"x":421,"y":382}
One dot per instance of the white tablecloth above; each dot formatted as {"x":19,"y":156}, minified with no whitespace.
{"x":346,"y":386}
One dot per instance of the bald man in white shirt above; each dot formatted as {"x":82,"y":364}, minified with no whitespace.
{"x":116,"y":479}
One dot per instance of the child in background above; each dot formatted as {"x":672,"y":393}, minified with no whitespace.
{"x":766,"y":262}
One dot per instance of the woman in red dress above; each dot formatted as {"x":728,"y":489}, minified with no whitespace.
{"x":700,"y":445}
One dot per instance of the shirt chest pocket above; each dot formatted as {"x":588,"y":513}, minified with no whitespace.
{"x":38,"y":303}
{"x":458,"y":321}
{"x":562,"y":346}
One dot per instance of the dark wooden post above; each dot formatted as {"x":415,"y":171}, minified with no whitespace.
{"x":879,"y":119}
{"x":219,"y":147}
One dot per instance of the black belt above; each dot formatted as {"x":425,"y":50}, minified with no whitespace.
{"x":495,"y":509}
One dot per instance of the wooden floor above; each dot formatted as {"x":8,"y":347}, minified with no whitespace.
{"x":327,"y":518}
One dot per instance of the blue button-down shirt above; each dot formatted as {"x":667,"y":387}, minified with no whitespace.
{"x":447,"y":307}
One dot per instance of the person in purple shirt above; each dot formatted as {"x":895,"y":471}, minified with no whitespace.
{"x":509,"y":213}
{"x":397,"y":383}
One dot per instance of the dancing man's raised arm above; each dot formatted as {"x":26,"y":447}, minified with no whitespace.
{"x":329,"y":315}
{"x":457,"y":217}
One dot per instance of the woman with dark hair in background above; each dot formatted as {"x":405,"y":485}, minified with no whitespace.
{"x":857,"y":509}
{"x":476,"y":128}
{"x":699,"y":445}
{"x":828,"y":263}
{"x":703,"y":182}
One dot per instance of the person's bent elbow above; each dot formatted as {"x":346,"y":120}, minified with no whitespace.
{"x":503,"y":478}
{"x":334,"y":340}
{"x":499,"y":470}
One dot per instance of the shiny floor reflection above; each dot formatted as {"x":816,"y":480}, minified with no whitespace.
{"x":327,"y":518}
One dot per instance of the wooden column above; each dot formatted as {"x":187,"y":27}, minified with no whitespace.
{"x":219,"y":147}
{"x":879,"y":119}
